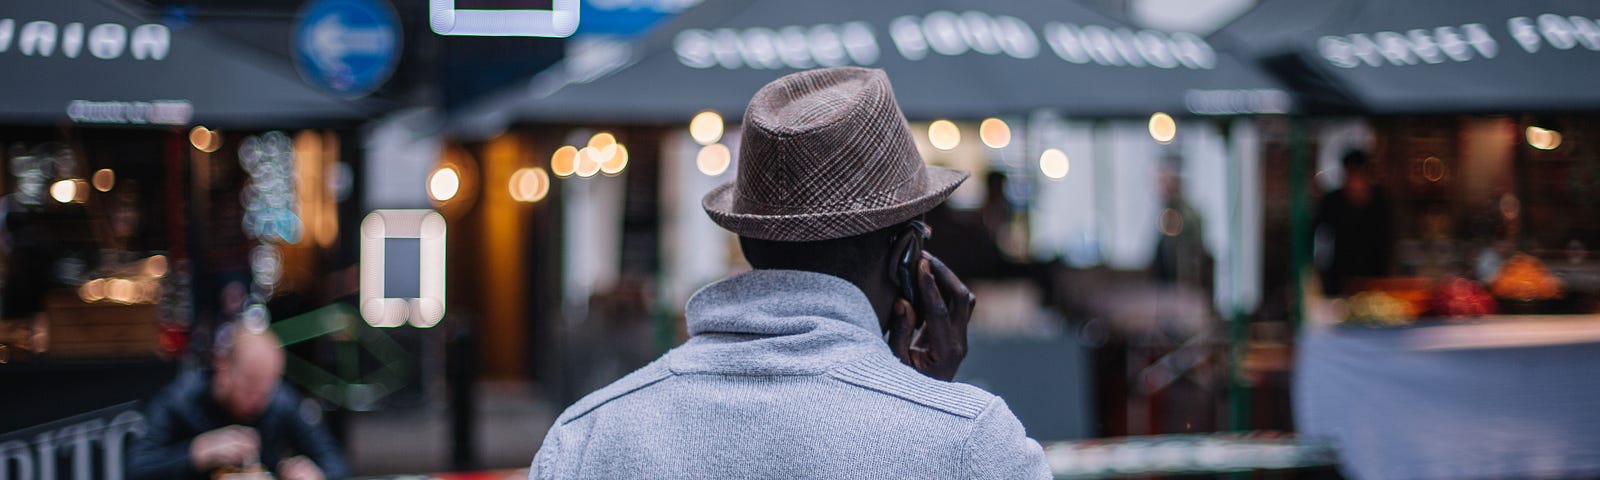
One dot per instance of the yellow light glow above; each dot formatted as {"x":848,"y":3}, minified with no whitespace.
{"x":80,"y":190}
{"x":530,"y":185}
{"x":944,"y":134}
{"x":1163,"y":128}
{"x":713,"y":159}
{"x":104,"y":179}
{"x":589,"y":160}
{"x":1054,"y":164}
{"x":204,"y":139}
{"x":1543,"y":138}
{"x":444,"y":183}
{"x":120,"y":290}
{"x":995,"y":133}
{"x":147,"y":291}
{"x":600,"y":140}
{"x":156,"y":266}
{"x":64,"y":191}
{"x":565,"y":161}
{"x":93,"y":290}
{"x":706,"y":127}
{"x":616,"y":162}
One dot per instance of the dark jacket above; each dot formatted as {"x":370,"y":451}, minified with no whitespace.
{"x":186,"y":409}
{"x":1362,"y":236}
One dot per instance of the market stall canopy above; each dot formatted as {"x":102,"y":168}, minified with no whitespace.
{"x":106,"y":62}
{"x":1426,"y":56}
{"x":946,"y":59}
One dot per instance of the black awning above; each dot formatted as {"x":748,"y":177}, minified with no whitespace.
{"x":106,"y":62}
{"x":1427,"y":56}
{"x":946,"y":59}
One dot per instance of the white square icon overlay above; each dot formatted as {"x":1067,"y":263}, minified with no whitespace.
{"x":427,"y":229}
{"x":561,"y":20}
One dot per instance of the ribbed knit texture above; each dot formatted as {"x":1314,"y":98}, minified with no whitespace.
{"x":785,"y":376}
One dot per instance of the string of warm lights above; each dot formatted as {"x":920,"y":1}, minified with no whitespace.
{"x":602,"y":154}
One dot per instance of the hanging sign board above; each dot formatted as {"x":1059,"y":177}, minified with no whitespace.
{"x":347,"y":47}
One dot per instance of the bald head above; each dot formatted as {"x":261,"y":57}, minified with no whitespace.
{"x":248,"y":367}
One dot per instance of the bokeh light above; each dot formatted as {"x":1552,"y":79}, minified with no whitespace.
{"x":104,"y":179}
{"x":64,"y":191}
{"x":1054,"y":164}
{"x":1163,"y":128}
{"x":156,"y":266}
{"x":1433,"y":169}
{"x":1171,"y":222}
{"x":713,"y":159}
{"x":616,"y":161}
{"x":205,"y":139}
{"x":444,"y":183}
{"x":944,"y":134}
{"x":529,"y":184}
{"x":995,"y":133}
{"x":600,"y":140}
{"x":565,"y":161}
{"x":120,"y":290}
{"x":706,"y":127}
{"x":1543,"y":138}
{"x":93,"y":290}
{"x":589,"y":160}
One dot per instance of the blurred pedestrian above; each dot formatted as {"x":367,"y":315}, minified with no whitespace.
{"x":1180,"y":258}
{"x":238,"y":417}
{"x":787,"y":373}
{"x":1357,"y":218}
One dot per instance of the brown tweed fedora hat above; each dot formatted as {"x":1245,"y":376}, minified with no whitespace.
{"x":826,"y":154}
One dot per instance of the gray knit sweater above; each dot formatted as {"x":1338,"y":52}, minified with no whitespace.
{"x":785,"y":375}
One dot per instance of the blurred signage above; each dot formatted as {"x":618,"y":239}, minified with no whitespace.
{"x":944,"y":33}
{"x":459,"y":17}
{"x":1457,"y":43}
{"x":1236,"y":101}
{"x":104,"y":41}
{"x":348,"y":47}
{"x":154,"y":112}
{"x":628,"y":18}
{"x":89,"y":445}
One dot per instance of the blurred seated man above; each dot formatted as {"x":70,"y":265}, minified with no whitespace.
{"x":236,"y":418}
{"x":834,"y":357}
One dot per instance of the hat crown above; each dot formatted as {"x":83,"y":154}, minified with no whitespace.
{"x":822,"y":138}
{"x":826,"y":154}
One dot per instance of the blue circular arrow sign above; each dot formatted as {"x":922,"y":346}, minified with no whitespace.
{"x":348,"y":47}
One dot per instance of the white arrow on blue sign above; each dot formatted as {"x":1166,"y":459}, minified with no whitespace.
{"x":347,"y":47}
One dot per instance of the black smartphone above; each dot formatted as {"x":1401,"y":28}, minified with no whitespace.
{"x":907,"y":259}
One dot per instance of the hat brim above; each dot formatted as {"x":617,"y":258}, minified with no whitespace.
{"x":808,"y":227}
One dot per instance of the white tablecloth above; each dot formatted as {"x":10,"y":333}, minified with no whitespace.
{"x":1454,"y":401}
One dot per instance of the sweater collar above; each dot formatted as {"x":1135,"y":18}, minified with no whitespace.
{"x":777,"y":322}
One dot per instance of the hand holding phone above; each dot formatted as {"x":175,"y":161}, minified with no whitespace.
{"x":930,"y":334}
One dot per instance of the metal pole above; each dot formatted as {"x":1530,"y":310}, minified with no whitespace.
{"x":461,"y":356}
{"x":1238,"y":388}
{"x":1299,"y":217}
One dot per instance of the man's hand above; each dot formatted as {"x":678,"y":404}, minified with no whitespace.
{"x":299,"y":468}
{"x":230,"y":445}
{"x":938,"y":348}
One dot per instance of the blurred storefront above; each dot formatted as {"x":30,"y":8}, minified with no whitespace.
{"x":1068,"y":119}
{"x":159,"y":179}
{"x":1481,"y":300}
